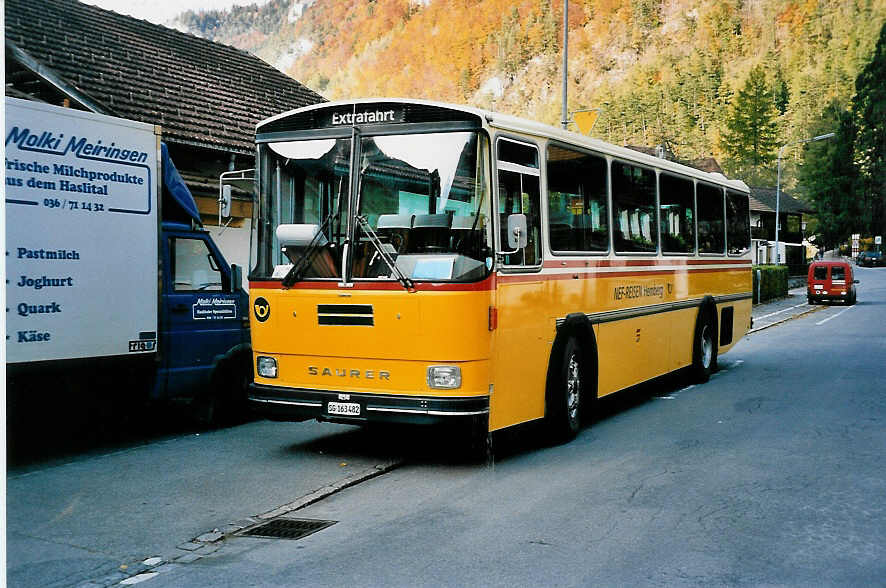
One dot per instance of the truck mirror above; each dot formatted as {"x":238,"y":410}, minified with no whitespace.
{"x":236,"y":278}
{"x":225,"y":201}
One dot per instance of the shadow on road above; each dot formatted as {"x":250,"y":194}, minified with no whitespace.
{"x":445,"y":446}
{"x":38,"y":435}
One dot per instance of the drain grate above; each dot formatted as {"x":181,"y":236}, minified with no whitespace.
{"x":287,"y":528}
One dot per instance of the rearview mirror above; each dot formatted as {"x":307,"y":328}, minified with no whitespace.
{"x":517,"y":237}
{"x":225,"y":201}
{"x":236,"y":278}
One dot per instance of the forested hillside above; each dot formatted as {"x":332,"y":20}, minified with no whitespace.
{"x":662,"y":71}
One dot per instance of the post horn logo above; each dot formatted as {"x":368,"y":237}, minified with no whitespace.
{"x":262,"y":309}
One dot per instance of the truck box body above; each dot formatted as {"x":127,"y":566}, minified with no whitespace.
{"x":106,"y":298}
{"x":81,"y":234}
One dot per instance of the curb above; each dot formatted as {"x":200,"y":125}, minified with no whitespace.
{"x":788,"y":318}
{"x":211,"y":541}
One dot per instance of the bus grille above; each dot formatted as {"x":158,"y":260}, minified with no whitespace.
{"x":345,"y":315}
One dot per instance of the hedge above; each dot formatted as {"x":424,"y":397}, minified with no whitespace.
{"x":774,"y":282}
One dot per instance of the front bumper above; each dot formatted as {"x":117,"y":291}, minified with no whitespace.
{"x":298,"y":404}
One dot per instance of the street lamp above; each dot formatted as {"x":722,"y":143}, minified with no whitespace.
{"x":778,"y":187}
{"x":565,"y":118}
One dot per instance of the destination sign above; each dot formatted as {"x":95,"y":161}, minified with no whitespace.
{"x":368,"y":116}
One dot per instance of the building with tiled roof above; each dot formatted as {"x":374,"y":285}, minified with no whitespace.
{"x":206,"y":96}
{"x":790,"y":232}
{"x":203,"y":93}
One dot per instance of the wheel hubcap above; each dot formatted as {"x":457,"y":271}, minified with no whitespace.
{"x":707,"y":347}
{"x":573,"y":387}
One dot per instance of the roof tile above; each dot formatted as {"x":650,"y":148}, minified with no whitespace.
{"x":200,"y":91}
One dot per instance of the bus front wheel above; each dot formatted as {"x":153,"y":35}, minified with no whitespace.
{"x":565,"y":394}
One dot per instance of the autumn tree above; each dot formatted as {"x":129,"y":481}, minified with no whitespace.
{"x":829,"y":178}
{"x":869,"y":106}
{"x":751,"y":136}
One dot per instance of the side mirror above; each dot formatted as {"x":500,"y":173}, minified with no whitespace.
{"x":236,"y":278}
{"x":855,"y":281}
{"x":517,"y":234}
{"x":224,"y":202}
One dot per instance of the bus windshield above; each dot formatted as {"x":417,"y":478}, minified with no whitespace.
{"x":421,"y":209}
{"x":425,"y":198}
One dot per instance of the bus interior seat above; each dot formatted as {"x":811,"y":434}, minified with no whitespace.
{"x":431,"y":233}
{"x":394,"y":229}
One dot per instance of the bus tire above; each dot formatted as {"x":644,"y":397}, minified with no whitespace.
{"x":565,"y":394}
{"x":704,"y":346}
{"x":477,"y":440}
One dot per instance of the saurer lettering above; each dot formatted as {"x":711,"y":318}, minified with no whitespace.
{"x":349,"y":373}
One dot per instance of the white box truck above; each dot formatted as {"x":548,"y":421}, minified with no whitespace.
{"x":104,"y":294}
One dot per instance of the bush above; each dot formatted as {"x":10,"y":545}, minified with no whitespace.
{"x":774,"y":282}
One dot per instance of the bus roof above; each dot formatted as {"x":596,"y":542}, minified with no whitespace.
{"x":516,"y":124}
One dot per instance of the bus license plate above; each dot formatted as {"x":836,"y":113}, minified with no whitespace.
{"x":343,"y":408}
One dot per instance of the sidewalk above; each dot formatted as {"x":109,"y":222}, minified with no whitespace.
{"x":775,"y":312}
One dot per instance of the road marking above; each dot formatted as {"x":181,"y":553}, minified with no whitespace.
{"x":833,"y":316}
{"x":138,"y":579}
{"x":759,"y":318}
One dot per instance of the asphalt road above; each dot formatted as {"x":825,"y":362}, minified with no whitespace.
{"x":770,"y":474}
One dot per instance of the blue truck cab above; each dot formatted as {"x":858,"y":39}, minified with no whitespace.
{"x":203,"y":324}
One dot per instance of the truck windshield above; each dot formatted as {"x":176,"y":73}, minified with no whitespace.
{"x":426,"y":198}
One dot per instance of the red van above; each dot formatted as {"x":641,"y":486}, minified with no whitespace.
{"x":830,"y":280}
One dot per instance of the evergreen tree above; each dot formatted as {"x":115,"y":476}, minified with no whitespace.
{"x":829,"y":179}
{"x":751,"y":136}
{"x":869,"y":107}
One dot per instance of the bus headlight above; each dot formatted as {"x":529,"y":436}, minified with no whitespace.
{"x":266,"y":366}
{"x":447,"y":377}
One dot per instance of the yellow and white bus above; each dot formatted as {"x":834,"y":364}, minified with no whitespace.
{"x":423,"y":262}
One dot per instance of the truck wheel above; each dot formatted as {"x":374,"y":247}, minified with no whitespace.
{"x":224,"y":403}
{"x":565,"y":394}
{"x":704,"y":348}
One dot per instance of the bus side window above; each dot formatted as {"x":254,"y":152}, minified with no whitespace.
{"x":676,"y":214}
{"x":519,"y":193}
{"x":633,"y":207}
{"x":738,"y":232}
{"x":711,"y":230}
{"x":577,"y":212}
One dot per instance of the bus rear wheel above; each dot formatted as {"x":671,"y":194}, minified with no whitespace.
{"x":704,"y":350}
{"x":565,"y":394}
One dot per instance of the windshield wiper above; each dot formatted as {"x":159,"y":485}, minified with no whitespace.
{"x":379,"y":247}
{"x":294,"y":275}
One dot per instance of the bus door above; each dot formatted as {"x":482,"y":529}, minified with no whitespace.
{"x":523,"y":340}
